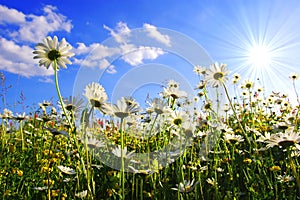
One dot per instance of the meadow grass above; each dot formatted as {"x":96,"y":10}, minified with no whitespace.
{"x":249,"y":150}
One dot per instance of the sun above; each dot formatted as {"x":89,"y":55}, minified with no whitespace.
{"x":259,"y":56}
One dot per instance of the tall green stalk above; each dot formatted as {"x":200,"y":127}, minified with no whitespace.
{"x":59,"y":94}
{"x":235,"y":114}
{"x":122,"y":159}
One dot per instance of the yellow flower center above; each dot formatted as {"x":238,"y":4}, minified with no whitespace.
{"x":286,"y":143}
{"x":95,"y":103}
{"x":177,"y":121}
{"x":248,"y":85}
{"x":218,"y":75}
{"x":70,"y":107}
{"x":53,"y":55}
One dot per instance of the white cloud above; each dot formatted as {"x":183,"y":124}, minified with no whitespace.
{"x":121,"y":33}
{"x":136,"y":56}
{"x":38,"y":27}
{"x":28,"y":29}
{"x":96,"y":55}
{"x":18,"y":59}
{"x":111,"y":69}
{"x":46,"y":79}
{"x":155,"y":34}
{"x":11,"y":16}
{"x":131,"y":54}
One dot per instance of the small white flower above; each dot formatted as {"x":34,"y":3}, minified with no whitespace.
{"x":178,"y":117}
{"x":122,"y":109}
{"x":211,"y":181}
{"x":117,"y":152}
{"x":7,"y":114}
{"x":81,"y":194}
{"x":232,"y":138}
{"x":199,"y":70}
{"x":173,"y":92}
{"x":285,"y":178}
{"x":41,"y":188}
{"x":20,"y":116}
{"x":294,"y":76}
{"x":66,"y":170}
{"x":159,"y":106}
{"x":94,"y":143}
{"x":186,"y":186}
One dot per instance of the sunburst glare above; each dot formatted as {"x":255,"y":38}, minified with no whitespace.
{"x":261,"y":46}
{"x":259,"y":56}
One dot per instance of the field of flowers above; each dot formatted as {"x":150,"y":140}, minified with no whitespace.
{"x":176,"y":148}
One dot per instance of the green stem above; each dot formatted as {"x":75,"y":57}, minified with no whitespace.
{"x":293,"y":167}
{"x":22,"y":135}
{"x":235,"y":114}
{"x":122,"y":159}
{"x":59,"y":94}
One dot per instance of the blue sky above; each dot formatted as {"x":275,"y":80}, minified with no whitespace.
{"x":100,"y":31}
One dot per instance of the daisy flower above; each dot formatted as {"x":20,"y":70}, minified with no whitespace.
{"x":66,"y":170}
{"x":217,"y":75}
{"x":122,"y":109}
{"x":159,"y":106}
{"x":286,"y":139}
{"x":285,"y":178}
{"x":20,"y":116}
{"x":201,"y":85}
{"x":173,"y":92}
{"x":94,"y":143}
{"x":212,"y":181}
{"x":186,"y":186}
{"x":247,"y":84}
{"x":264,"y":138}
{"x":232,"y":138}
{"x":117,"y":152}
{"x":96,"y":94}
{"x":7,"y":114}
{"x":236,"y":77}
{"x":40,"y":188}
{"x":199,"y":70}
{"x":178,"y":117}
{"x":82,"y":194}
{"x":294,"y":76}
{"x":73,"y":105}
{"x":50,"y":50}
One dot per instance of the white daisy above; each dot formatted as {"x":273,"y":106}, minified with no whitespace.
{"x":66,"y":170}
{"x":285,"y":178}
{"x":173,"y":92}
{"x":122,"y":109}
{"x":212,"y":181}
{"x":159,"y":106}
{"x":286,"y":139}
{"x":81,"y":194}
{"x":7,"y":114}
{"x":232,"y":138}
{"x":117,"y":152}
{"x":199,"y":70}
{"x":294,"y":76}
{"x":186,"y":186}
{"x":217,"y":75}
{"x":40,"y":188}
{"x":94,"y":143}
{"x":178,"y":117}
{"x":50,"y":50}
{"x":96,"y":94}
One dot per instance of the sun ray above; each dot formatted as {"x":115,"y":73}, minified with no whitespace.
{"x":262,"y":42}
